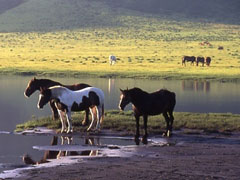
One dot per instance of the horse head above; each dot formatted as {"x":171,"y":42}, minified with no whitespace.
{"x":31,"y":87}
{"x":44,"y":97}
{"x":125,"y":99}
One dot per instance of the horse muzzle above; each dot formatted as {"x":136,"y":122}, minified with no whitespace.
{"x":27,"y":95}
{"x":121,"y":108}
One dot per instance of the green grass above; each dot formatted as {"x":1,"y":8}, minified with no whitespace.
{"x":76,"y":39}
{"x":145,"y":53}
{"x":125,"y":122}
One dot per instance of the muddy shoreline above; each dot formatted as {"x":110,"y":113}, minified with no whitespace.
{"x":187,"y":156}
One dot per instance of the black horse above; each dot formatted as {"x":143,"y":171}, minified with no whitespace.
{"x":36,"y":84}
{"x":144,"y":104}
{"x":200,"y":60}
{"x":208,"y":61}
{"x":191,"y":59}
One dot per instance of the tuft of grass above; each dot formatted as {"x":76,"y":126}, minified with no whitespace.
{"x":124,"y":121}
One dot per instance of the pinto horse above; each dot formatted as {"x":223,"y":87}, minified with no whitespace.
{"x":67,"y":100}
{"x":144,"y":104}
{"x":35,"y":84}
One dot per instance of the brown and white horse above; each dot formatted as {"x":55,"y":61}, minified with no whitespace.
{"x":35,"y":84}
{"x":144,"y":104}
{"x":67,"y":100}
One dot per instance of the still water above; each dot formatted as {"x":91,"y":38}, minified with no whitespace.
{"x":191,"y":96}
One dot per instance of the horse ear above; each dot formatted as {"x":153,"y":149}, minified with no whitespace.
{"x":34,"y":78}
{"x":121,"y":90}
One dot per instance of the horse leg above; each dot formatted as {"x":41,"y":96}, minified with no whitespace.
{"x":137,"y":130}
{"x":62,"y":121}
{"x":144,"y":139}
{"x":167,"y":133}
{"x":86,"y":118}
{"x":69,"y":121}
{"x":99,"y":115}
{"x":55,"y":113}
{"x":171,"y":122}
{"x":93,"y":117}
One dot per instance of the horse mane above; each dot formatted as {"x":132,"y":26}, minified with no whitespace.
{"x":136,"y":90}
{"x":48,"y":82}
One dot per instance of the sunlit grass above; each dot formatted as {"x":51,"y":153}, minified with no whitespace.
{"x":154,"y":50}
{"x":125,"y":122}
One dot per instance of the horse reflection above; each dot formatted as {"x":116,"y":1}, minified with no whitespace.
{"x":67,"y":140}
{"x":196,"y":86}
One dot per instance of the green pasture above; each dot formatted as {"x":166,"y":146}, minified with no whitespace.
{"x":145,"y":47}
{"x":124,"y":122}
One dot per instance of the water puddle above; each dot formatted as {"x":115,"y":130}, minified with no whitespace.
{"x":45,"y":148}
{"x":48,"y":149}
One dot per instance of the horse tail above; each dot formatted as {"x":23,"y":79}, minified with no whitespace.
{"x":173,"y":100}
{"x":101,"y":120}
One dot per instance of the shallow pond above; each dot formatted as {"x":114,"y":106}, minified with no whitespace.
{"x":192,"y":96}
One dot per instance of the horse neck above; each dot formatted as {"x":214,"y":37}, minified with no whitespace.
{"x":47,"y":83}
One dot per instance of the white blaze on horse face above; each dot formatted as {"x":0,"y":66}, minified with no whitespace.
{"x":121,"y":98}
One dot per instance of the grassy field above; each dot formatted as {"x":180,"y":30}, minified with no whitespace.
{"x":125,"y":122}
{"x":147,"y":50}
{"x":56,"y":37}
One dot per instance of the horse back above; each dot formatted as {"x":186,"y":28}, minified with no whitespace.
{"x":160,"y":101}
{"x":76,"y":87}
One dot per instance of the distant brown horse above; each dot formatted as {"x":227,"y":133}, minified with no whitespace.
{"x":36,"y":84}
{"x":208,"y":61}
{"x":144,"y":104}
{"x":200,"y":60}
{"x":191,"y":59}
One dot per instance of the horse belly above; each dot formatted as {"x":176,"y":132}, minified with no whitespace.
{"x":79,"y":107}
{"x":156,"y":108}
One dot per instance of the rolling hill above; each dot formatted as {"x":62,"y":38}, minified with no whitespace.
{"x":51,"y":15}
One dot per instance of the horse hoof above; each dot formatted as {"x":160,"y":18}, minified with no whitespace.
{"x":69,"y":131}
{"x":84,"y":123}
{"x":137,"y":141}
{"x":167,"y":134}
{"x":144,"y":140}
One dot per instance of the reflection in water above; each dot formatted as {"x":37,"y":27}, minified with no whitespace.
{"x":203,"y":86}
{"x":111,"y":85}
{"x":65,"y":140}
{"x":47,"y":155}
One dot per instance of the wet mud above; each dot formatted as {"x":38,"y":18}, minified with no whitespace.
{"x":192,"y":155}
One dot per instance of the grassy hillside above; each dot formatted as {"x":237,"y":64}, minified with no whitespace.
{"x":75,"y":37}
{"x":218,"y":11}
{"x":6,"y":5}
{"x":52,"y":15}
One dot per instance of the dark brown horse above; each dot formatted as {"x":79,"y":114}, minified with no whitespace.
{"x":200,"y":60}
{"x":208,"y":61}
{"x":191,"y":59}
{"x":36,"y":84}
{"x":144,"y":104}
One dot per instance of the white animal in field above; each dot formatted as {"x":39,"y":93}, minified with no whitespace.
{"x":112,"y":59}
